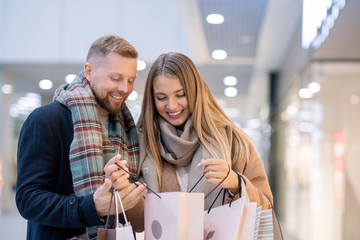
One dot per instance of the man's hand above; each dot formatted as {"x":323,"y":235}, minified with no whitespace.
{"x":102,"y":198}
{"x":130,"y":193}
{"x":130,"y":196}
{"x":118,"y":176}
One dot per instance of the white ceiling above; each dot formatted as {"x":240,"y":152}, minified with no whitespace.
{"x":256,"y":33}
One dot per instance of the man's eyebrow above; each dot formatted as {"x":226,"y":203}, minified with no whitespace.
{"x":121,"y":75}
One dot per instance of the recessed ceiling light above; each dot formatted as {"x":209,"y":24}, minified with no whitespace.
{"x":69,"y":78}
{"x":305,"y":93}
{"x":215,"y":18}
{"x":141,"y":65}
{"x":230,"y":81}
{"x":314,"y":87}
{"x":219,"y":54}
{"x":230,"y":92}
{"x":7,"y":88}
{"x":45,"y":84}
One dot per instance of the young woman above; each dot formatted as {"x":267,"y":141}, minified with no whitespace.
{"x":184,"y":134}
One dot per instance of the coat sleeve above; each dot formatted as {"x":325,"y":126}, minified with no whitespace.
{"x":44,"y":192}
{"x":254,"y":175}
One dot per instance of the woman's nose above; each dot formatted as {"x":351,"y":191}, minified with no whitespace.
{"x":172,"y":104}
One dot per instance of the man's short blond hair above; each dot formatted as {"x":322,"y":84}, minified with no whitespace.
{"x":104,"y":45}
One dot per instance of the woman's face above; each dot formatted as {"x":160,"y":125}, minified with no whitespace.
{"x":170,"y":100}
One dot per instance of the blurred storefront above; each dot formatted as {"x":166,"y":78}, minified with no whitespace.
{"x":317,"y":143}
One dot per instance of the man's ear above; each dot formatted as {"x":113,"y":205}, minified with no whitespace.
{"x":88,"y":71}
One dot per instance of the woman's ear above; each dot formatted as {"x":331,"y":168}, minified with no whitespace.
{"x":88,"y":70}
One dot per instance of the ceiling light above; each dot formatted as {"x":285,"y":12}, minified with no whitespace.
{"x":215,"y":18}
{"x":314,"y":87}
{"x":141,"y":65}
{"x":305,"y":93}
{"x":230,"y":92}
{"x":7,"y":88}
{"x":45,"y":84}
{"x":69,"y":78}
{"x":219,"y":54}
{"x":230,"y":81}
{"x":133,"y":96}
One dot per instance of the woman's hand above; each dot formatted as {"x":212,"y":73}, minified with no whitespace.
{"x":216,"y":170}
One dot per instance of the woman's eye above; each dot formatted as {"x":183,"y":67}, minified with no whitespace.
{"x":160,"y":98}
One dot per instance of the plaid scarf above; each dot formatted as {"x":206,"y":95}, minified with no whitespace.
{"x":91,"y":147}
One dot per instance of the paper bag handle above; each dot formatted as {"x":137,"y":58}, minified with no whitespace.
{"x":117,"y":195}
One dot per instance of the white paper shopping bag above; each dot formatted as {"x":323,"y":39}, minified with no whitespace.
{"x":235,"y":221}
{"x":176,"y":215}
{"x":119,"y":232}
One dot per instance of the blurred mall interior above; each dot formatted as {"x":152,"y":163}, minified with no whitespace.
{"x":286,"y":71}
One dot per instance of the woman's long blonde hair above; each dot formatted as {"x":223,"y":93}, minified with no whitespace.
{"x":209,"y":120}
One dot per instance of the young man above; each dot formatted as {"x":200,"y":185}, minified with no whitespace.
{"x":68,"y":149}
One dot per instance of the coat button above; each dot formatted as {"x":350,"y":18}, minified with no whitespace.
{"x":72,"y":200}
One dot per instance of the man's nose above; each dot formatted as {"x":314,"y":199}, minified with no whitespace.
{"x":123,"y":87}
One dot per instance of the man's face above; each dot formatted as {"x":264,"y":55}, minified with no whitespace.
{"x":112,"y":80}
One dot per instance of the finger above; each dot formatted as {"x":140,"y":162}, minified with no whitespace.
{"x":223,"y":168}
{"x":131,"y":199}
{"x":138,"y":190}
{"x":118,"y":174}
{"x":127,"y":190}
{"x":121,"y":183}
{"x":210,"y":162}
{"x":115,"y":159}
{"x":114,"y":172}
{"x":214,"y":175}
{"x":103,"y":189}
{"x":214,"y":181}
{"x":119,"y":167}
{"x":102,"y":197}
{"x":122,"y":165}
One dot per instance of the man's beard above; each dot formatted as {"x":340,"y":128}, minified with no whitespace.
{"x":105,"y":104}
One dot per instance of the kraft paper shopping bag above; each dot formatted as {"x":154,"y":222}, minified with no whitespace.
{"x":176,"y":215}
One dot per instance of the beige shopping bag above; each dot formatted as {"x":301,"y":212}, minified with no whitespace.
{"x":120,"y":232}
{"x":176,"y":215}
